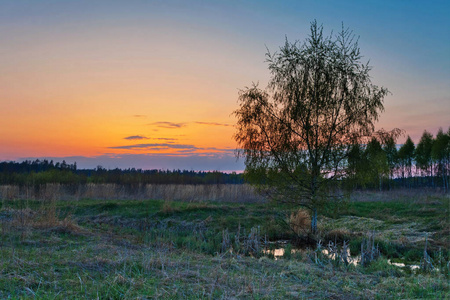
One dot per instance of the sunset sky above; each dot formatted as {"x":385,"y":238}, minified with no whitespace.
{"x":153,"y":84}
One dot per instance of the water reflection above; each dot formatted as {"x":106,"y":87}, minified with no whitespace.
{"x":351,"y":260}
{"x":279,"y":252}
{"x":402,"y":265}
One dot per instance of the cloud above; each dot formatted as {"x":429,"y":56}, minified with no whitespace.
{"x":178,"y":149}
{"x":187,"y":151}
{"x":141,"y":137}
{"x":165,"y":139}
{"x":170,"y":125}
{"x":155,"y":146}
{"x":135,"y":137}
{"x":213,"y":124}
{"x":220,"y":149}
{"x":139,"y":116}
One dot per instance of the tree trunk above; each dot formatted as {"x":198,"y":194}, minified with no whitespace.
{"x":314,"y":221}
{"x":432,"y":176}
{"x":443,"y":180}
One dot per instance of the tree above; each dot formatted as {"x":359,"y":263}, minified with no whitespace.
{"x":356,"y":162}
{"x":406,"y":157}
{"x":295,"y":135}
{"x":390,"y":149}
{"x":388,"y":141}
{"x":377,"y":162}
{"x":440,"y":152}
{"x":369,"y":166}
{"x":423,"y":154}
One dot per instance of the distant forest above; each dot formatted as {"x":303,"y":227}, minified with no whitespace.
{"x":43,"y":171}
{"x":380,"y":164}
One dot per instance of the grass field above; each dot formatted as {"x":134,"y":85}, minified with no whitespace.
{"x":141,"y":249}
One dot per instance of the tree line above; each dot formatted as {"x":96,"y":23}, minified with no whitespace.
{"x":381,"y":164}
{"x":40,"y":172}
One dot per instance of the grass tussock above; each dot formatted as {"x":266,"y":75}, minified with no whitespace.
{"x":300,"y":222}
{"x":168,"y":208}
{"x":44,"y":217}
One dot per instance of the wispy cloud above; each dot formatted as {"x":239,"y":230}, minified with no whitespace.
{"x":173,"y":149}
{"x":155,"y":146}
{"x":212,"y":123}
{"x":139,"y":116}
{"x":169,"y":125}
{"x":165,"y":139}
{"x":224,"y":150}
{"x":135,"y":137}
{"x":172,"y":125}
{"x":141,"y":137}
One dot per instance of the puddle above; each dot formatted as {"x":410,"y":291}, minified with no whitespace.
{"x":351,"y":260}
{"x":402,"y":265}
{"x":279,"y":252}
{"x":355,"y":260}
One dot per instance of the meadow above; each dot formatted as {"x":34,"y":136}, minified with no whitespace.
{"x":188,"y":246}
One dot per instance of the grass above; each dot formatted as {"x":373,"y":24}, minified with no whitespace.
{"x":145,"y":249}
{"x":401,"y":225}
{"x":183,"y":192}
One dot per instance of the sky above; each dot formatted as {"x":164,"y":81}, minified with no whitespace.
{"x":153,"y":84}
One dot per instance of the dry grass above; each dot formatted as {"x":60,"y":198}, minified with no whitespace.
{"x":300,"y":222}
{"x":168,"y":207}
{"x":181,"y":192}
{"x":421,"y":195}
{"x":45,"y":217}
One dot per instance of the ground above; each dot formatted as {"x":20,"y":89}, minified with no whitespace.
{"x":112,"y":249}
